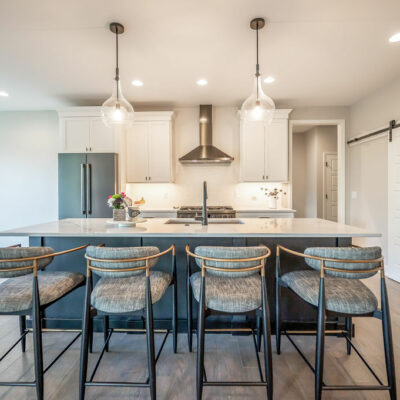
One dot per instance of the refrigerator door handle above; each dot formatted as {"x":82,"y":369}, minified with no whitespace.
{"x":83,"y":189}
{"x":89,"y":187}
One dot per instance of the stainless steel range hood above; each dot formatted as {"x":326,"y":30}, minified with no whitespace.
{"x":206,"y":153}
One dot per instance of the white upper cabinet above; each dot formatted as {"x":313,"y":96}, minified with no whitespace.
{"x":264,"y":150}
{"x":277,"y":151}
{"x":82,"y":130}
{"x":137,"y":160}
{"x":252,"y":151}
{"x":149,"y":148}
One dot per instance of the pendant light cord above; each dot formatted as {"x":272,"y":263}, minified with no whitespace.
{"x":257,"y":65}
{"x":116,"y":62}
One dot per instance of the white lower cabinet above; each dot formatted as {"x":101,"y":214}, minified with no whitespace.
{"x":149,"y":149}
{"x":264,"y":150}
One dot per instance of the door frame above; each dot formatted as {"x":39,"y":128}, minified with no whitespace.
{"x":341,"y":151}
{"x":324,"y":154}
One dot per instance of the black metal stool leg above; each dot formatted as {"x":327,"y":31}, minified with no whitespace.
{"x":258,"y":328}
{"x":150,"y":341}
{"x":320,"y":348}
{"x":174,"y":306}
{"x":90,"y":333}
{"x":189,"y":306}
{"x":85,"y":342}
{"x":277,"y":318}
{"x":200,"y":340}
{"x":349,"y":329}
{"x":22,"y":327}
{"x":267,"y":340}
{"x":37,"y":340}
{"x":388,"y":341}
{"x":106,"y":326}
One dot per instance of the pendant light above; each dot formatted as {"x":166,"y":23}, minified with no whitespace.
{"x":258,"y":107}
{"x":116,"y":110}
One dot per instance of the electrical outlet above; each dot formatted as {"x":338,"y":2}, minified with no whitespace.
{"x":354,"y":195}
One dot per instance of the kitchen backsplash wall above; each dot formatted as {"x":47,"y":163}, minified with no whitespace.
{"x":224,"y":187}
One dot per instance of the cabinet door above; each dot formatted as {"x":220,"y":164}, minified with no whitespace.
{"x":76,"y":135}
{"x":159,"y":152}
{"x":277,"y":151}
{"x":137,"y":160}
{"x":252,"y":147}
{"x":101,"y":137}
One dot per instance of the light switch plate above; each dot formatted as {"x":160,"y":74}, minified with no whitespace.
{"x":354,"y":195}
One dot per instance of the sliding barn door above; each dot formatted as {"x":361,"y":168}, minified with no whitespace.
{"x":393,"y":262}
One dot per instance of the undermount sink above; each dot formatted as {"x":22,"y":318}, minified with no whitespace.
{"x":213,"y":221}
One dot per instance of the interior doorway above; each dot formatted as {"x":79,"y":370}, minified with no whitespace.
{"x":317,"y":179}
{"x":330,"y":186}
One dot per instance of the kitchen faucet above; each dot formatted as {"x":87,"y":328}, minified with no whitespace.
{"x":204,"y":220}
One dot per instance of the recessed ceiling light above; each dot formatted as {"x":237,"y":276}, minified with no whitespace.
{"x":202,"y":82}
{"x":3,"y":94}
{"x":137,"y":82}
{"x":269,"y":79}
{"x":395,"y":38}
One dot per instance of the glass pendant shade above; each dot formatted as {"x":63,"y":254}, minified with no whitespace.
{"x":258,"y":107}
{"x":116,"y":110}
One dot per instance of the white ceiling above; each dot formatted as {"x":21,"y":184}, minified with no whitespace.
{"x":55,"y":53}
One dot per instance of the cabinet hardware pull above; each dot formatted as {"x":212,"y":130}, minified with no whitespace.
{"x":89,"y":187}
{"x":83,"y":189}
{"x":266,"y":177}
{"x":149,"y":177}
{"x":86,"y":148}
{"x":146,"y":178}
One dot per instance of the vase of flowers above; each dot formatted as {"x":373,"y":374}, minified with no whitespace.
{"x":273,"y":196}
{"x":118,"y":202}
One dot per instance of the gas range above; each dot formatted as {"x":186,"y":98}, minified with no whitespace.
{"x":212,"y":211}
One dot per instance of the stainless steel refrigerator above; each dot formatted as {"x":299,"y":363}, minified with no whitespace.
{"x":85,"y":181}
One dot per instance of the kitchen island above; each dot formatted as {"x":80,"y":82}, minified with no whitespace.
{"x":294,"y":233}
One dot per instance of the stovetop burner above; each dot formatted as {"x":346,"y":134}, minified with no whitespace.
{"x":212,"y":211}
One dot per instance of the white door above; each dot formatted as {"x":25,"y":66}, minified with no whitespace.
{"x":76,"y":135}
{"x":277,"y":152}
{"x":159,"y":152}
{"x":393,"y":262}
{"x":101,"y":137}
{"x":252,"y":151}
{"x":137,"y":162}
{"x":330,"y":186}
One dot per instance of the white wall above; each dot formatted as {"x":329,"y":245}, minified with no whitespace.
{"x":308,"y":150}
{"x":28,"y":170}
{"x":367,"y":172}
{"x":299,"y":174}
{"x":224,"y":187}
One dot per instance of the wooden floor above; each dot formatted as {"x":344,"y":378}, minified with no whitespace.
{"x":227,"y":357}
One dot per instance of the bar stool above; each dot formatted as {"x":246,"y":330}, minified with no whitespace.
{"x":333,"y":286}
{"x":126,"y":286}
{"x":28,"y":291}
{"x":231,"y":281}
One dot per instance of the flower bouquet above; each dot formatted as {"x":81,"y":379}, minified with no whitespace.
{"x":273,"y":196}
{"x":119,"y":202}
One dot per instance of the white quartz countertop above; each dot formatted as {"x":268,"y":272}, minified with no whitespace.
{"x":256,"y":227}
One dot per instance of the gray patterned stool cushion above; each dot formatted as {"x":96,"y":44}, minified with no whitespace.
{"x":119,"y":253}
{"x":122,"y":295}
{"x":16,"y":293}
{"x":231,"y":295}
{"x":23,"y":252}
{"x":347,"y":296}
{"x":345,"y":253}
{"x":230,"y":253}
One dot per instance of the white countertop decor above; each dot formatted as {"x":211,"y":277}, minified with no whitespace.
{"x":156,"y":227}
